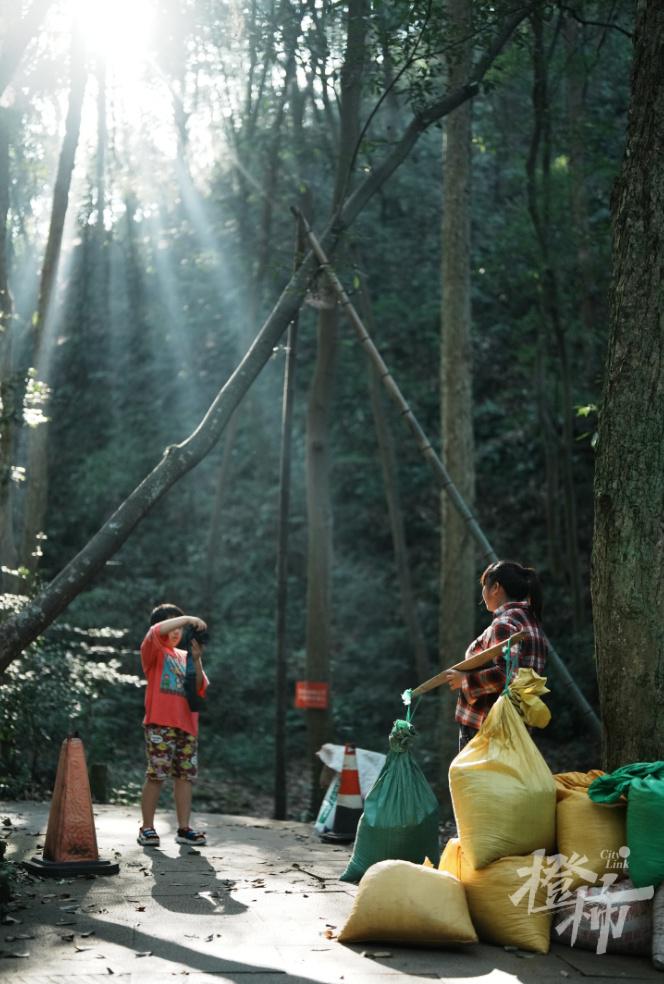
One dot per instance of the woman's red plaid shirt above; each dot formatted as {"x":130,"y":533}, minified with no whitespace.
{"x":480,"y":689}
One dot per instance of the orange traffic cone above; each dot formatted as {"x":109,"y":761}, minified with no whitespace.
{"x":349,"y":802}
{"x":70,"y":847}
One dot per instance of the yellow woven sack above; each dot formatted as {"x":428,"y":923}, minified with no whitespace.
{"x":590,"y":835}
{"x":503,"y":793}
{"x":495,"y":917}
{"x":402,"y":902}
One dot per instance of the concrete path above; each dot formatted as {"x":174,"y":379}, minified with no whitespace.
{"x":261,"y":903}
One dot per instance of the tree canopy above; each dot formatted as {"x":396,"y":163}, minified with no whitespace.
{"x":149,"y":158}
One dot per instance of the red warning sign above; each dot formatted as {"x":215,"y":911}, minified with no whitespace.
{"x":311,"y":695}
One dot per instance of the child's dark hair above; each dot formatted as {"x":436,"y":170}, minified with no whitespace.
{"x":519,"y":583}
{"x":164,"y":611}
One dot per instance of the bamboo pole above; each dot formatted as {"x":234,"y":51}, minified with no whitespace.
{"x":442,"y":476}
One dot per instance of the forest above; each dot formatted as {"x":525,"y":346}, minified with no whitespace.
{"x":188,"y":414}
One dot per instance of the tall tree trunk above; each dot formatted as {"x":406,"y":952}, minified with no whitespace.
{"x":37,"y":461}
{"x":539,"y":208}
{"x":213,"y":546}
{"x":281,"y":662}
{"x":575,"y":89}
{"x":421,"y":664}
{"x":9,"y":404}
{"x":319,"y":503}
{"x":628,"y":546}
{"x":457,"y":571}
{"x":551,"y":450}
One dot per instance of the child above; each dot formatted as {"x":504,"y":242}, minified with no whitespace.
{"x":171,"y":727}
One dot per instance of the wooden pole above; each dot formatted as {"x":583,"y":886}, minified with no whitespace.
{"x":442,"y":476}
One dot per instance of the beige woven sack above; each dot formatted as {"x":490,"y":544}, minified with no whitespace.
{"x":502,"y":790}
{"x":590,"y":834}
{"x":494,"y":915}
{"x":402,"y":902}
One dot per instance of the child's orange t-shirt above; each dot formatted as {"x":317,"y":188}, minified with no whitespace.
{"x":165,"y":700}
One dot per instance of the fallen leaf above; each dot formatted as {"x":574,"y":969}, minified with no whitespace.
{"x":144,"y":953}
{"x":140,"y":908}
{"x":82,"y":949}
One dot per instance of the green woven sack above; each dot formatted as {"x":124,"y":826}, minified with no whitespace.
{"x":643,"y":785}
{"x":400,"y":819}
{"x":609,"y":788}
{"x":645,"y":831}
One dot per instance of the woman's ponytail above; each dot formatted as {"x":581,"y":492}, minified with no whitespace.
{"x":535,"y":592}
{"x":518,"y":582}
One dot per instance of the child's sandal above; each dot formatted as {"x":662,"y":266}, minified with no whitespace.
{"x":148,"y":837}
{"x":186,"y":835}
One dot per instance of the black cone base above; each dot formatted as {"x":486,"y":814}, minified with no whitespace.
{"x":331,"y":837}
{"x":70,"y":869}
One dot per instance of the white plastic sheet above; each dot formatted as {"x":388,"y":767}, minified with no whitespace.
{"x":369,"y":765}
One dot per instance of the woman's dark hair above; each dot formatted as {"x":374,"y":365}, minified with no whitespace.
{"x":518,"y":582}
{"x":164,"y":611}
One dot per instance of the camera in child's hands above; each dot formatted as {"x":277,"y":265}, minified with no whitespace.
{"x":201,"y":636}
{"x":190,"y":632}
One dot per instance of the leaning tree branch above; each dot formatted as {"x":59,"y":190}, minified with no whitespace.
{"x":22,"y":628}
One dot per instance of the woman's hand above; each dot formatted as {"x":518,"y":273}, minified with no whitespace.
{"x":454,"y":679}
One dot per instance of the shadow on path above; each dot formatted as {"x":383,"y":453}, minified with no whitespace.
{"x":182,"y":955}
{"x":201,"y":878}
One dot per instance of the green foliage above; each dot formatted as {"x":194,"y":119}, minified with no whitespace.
{"x":56,"y":689}
{"x":158,"y":307}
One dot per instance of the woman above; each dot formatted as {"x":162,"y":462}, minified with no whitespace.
{"x":514,"y":594}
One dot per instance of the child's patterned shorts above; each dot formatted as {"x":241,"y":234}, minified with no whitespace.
{"x":170,"y":752}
